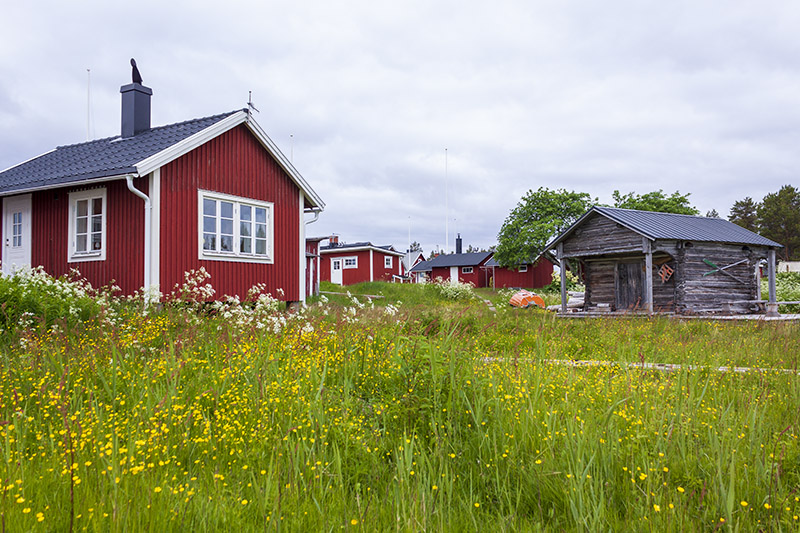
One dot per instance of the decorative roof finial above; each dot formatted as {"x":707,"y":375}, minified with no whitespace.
{"x":137,"y":77}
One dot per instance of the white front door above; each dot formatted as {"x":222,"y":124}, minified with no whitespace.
{"x":336,"y":271}
{"x":16,"y":233}
{"x":453,"y":274}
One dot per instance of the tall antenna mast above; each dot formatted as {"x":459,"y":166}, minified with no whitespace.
{"x":291,"y":148}
{"x":88,"y":103}
{"x":446,"y":209}
{"x":250,"y":102}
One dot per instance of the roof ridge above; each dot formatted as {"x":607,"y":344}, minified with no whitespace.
{"x":656,"y":212}
{"x":156,"y":128}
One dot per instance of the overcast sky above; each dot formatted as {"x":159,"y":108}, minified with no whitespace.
{"x":366,"y":96}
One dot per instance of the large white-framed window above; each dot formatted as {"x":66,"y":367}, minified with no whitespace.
{"x":87,"y":225}
{"x":387,"y":261}
{"x":350,"y":262}
{"x":232,"y":228}
{"x":466,"y":270}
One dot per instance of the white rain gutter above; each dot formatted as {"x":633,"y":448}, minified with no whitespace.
{"x":316,"y":212}
{"x":147,"y":239}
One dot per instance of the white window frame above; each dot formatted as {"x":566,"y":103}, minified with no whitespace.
{"x":235,"y":255}
{"x":388,"y":261}
{"x":523,"y":268}
{"x":73,"y":255}
{"x":466,"y":270}
{"x":353,"y":258}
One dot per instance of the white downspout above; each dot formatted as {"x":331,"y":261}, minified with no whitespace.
{"x":316,"y":212}
{"x":147,"y":237}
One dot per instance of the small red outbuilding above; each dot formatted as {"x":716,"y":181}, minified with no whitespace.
{"x":347,"y":264}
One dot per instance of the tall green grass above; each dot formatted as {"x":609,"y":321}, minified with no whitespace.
{"x":414,"y":417}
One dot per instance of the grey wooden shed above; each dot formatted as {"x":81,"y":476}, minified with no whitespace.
{"x":662,"y":262}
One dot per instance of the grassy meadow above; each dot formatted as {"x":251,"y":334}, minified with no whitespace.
{"x":420,"y":411}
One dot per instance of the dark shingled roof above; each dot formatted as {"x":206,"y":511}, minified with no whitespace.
{"x":422,"y":266}
{"x":669,"y":226}
{"x":101,"y":158}
{"x":470,"y":259}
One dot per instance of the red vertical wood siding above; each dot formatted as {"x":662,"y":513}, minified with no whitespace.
{"x":478,"y":277}
{"x":124,"y":263}
{"x":233,"y":163}
{"x":379,"y":270}
{"x":535,"y":278}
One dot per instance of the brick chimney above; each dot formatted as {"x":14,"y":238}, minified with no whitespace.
{"x":135,"y":109}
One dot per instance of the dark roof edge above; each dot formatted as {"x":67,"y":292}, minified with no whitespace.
{"x":95,"y":177}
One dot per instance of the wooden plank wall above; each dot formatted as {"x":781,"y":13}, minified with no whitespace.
{"x":599,"y":235}
{"x":601,"y":284}
{"x":700,"y":294}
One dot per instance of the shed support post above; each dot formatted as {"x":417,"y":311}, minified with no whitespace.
{"x":562,"y":266}
{"x":772,"y":306}
{"x":648,"y":275}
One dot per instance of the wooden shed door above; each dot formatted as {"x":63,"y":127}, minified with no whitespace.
{"x":630,"y":285}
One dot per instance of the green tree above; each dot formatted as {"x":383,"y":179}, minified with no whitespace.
{"x":745,"y":214}
{"x":712,"y":214}
{"x":656,"y":201}
{"x":538,"y":217}
{"x":415,"y":247}
{"x":779,"y":220}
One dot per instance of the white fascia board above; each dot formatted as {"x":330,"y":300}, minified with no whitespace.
{"x":361,"y":249}
{"x":175,"y":151}
{"x":273,"y":149}
{"x":146,"y":166}
{"x":71,"y":184}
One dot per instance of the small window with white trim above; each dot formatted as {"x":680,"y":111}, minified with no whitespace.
{"x":234,"y":228}
{"x":466,"y":270}
{"x":387,"y":261}
{"x":523,"y":268}
{"x":87,"y":225}
{"x":350,"y":262}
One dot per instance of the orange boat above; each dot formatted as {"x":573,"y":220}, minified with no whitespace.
{"x":525,"y":299}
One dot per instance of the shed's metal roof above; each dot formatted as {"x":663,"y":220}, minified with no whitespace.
{"x":113,"y":156}
{"x":670,"y":226}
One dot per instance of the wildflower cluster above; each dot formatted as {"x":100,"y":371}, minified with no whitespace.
{"x":454,"y":289}
{"x":32,"y":297}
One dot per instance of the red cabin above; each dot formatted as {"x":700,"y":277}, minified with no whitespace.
{"x":142,"y":208}
{"x":528,"y":275}
{"x":466,"y":268}
{"x":347,"y":264}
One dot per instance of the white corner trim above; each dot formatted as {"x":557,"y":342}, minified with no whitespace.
{"x":154,"y":188}
{"x":370,"y":266}
{"x":302,"y":257}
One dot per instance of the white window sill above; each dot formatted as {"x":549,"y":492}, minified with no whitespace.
{"x":234,"y":258}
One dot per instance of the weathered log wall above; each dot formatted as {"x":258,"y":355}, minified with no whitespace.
{"x":697,"y":293}
{"x":599,"y":235}
{"x":601,"y":283}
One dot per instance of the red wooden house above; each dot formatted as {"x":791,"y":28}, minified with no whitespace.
{"x":346,"y":264}
{"x":527,"y":276}
{"x":466,"y":268}
{"x":142,"y":208}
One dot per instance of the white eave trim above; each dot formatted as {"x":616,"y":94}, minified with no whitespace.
{"x":347,"y":250}
{"x":68,"y":185}
{"x":185,"y":146}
